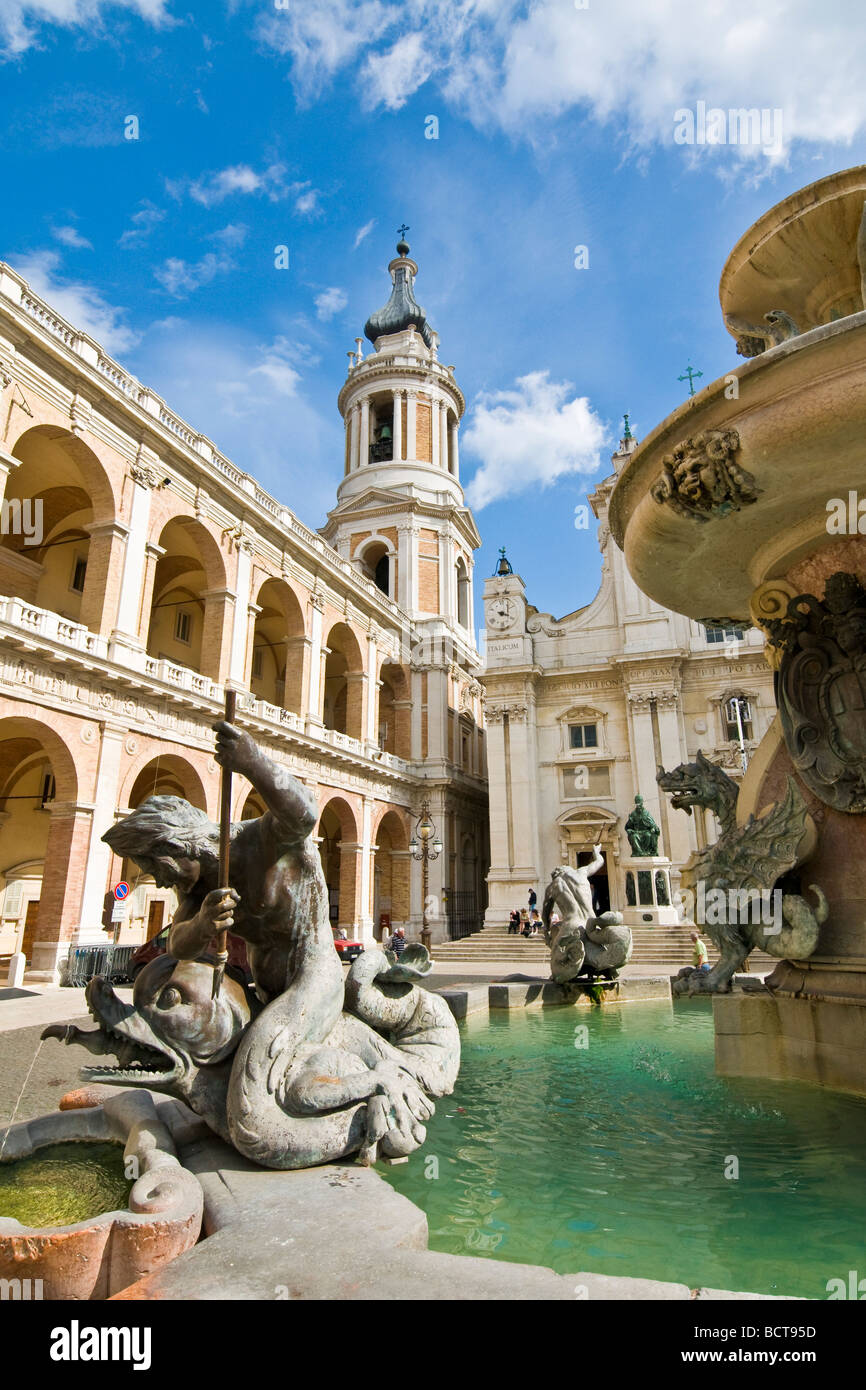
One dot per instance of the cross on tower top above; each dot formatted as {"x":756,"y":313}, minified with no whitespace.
{"x":401,"y":231}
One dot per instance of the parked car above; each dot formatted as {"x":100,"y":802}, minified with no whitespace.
{"x":348,"y":950}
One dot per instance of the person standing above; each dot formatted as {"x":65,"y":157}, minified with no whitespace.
{"x":532,"y":899}
{"x":398,"y":942}
{"x":701,"y":958}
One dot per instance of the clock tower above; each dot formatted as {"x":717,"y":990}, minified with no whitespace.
{"x":400,"y":517}
{"x":505,"y":612}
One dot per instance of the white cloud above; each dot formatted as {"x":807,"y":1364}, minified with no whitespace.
{"x":330,"y":302}
{"x":210,"y":189}
{"x":633,"y":64}
{"x":248,"y":396}
{"x":231,"y":236}
{"x":144,"y":220}
{"x":529,"y":437}
{"x":70,"y":236}
{"x":22,"y":20}
{"x":395,"y":75}
{"x":307,"y":203}
{"x":321,"y":38}
{"x":181,"y":278}
{"x":364,"y":231}
{"x":80,"y":304}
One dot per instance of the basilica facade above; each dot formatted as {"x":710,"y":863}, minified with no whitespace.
{"x":142,"y":573}
{"x":582,"y":710}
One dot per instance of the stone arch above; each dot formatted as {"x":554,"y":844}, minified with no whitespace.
{"x":391,"y":869}
{"x":339,"y":848}
{"x":395,"y":710}
{"x":343,"y":692}
{"x":165,"y":774}
{"x":188,"y":606}
{"x":276,"y":663}
{"x":376,"y":557}
{"x":62,"y":550}
{"x":43,"y":838}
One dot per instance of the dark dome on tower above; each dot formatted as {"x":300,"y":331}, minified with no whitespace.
{"x":402,"y":308}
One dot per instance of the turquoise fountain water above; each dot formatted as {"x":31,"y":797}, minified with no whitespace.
{"x":612,"y":1158}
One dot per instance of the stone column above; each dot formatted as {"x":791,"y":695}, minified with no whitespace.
{"x":524,"y":793}
{"x":397,"y":426}
{"x":152,"y":555}
{"x":134,"y":562}
{"x":411,"y":419}
{"x":105,"y":556}
{"x":90,"y":929}
{"x":455,"y":457}
{"x":672,"y":753}
{"x":437,"y":714}
{"x":417,"y":704}
{"x":219,"y":611}
{"x":373,"y":687}
{"x":365,"y":912}
{"x":643,"y":753}
{"x":354,"y":437}
{"x":317,"y":658}
{"x":443,"y":436}
{"x":238,"y":670}
{"x":364,"y":445}
{"x":8,"y":464}
{"x":62,"y":885}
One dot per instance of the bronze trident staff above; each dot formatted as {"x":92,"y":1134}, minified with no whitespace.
{"x":225,"y":846}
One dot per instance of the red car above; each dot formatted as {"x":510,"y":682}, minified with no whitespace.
{"x":348,"y":950}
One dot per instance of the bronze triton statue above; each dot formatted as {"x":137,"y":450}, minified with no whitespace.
{"x":312,"y":1066}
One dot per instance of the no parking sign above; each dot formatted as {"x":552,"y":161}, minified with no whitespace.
{"x":121,"y":891}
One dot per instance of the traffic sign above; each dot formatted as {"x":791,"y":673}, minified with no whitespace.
{"x":121,"y":890}
{"x":120,"y":912}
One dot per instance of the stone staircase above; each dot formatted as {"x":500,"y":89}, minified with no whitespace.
{"x":657,"y":950}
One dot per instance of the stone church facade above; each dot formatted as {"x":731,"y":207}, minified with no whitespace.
{"x":582,"y":709}
{"x":160,"y":573}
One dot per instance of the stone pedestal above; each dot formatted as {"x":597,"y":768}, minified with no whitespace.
{"x":646,"y":892}
{"x":822,"y":1041}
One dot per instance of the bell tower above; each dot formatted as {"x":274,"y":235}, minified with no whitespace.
{"x":400,"y":515}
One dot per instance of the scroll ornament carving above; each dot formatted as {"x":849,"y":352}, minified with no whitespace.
{"x":701,"y":479}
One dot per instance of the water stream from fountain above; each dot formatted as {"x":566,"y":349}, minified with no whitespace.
{"x":21,"y":1096}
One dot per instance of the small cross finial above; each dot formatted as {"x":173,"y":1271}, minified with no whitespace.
{"x":689,"y":374}
{"x":401,"y":231}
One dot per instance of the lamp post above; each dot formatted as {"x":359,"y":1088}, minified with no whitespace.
{"x":425,"y":845}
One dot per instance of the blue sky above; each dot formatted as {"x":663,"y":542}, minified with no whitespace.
{"x":261,"y":125}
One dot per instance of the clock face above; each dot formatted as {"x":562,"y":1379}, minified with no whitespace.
{"x":501,"y":613}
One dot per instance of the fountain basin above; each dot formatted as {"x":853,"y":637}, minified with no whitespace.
{"x":800,"y":421}
{"x":97,"y":1258}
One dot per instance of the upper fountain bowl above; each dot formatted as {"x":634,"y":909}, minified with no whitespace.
{"x":800,"y":257}
{"x":742,"y":486}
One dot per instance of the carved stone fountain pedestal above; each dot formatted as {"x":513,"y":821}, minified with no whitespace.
{"x":647,"y":892}
{"x":744,"y":506}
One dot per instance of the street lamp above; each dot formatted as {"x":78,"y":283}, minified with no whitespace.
{"x":424,"y":846}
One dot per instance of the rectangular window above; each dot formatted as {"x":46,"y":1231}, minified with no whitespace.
{"x":733,"y":731}
{"x":79,"y":571}
{"x":183,"y":627}
{"x":47,"y":788}
{"x":257,"y":663}
{"x":725,"y":634}
{"x":583,"y":735}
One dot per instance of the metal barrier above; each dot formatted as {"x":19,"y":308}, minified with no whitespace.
{"x":111,"y":962}
{"x":462,"y":915}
